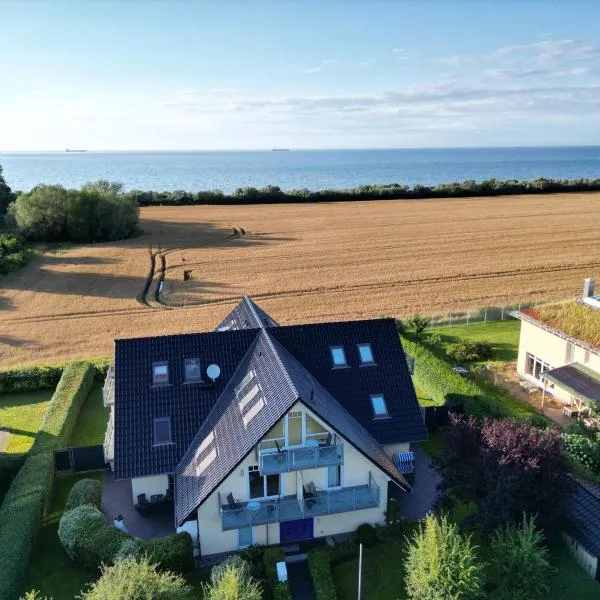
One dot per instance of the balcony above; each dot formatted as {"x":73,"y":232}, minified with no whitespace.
{"x":297,"y":459}
{"x":250,"y":514}
{"x":108,"y":392}
{"x":109,"y":439}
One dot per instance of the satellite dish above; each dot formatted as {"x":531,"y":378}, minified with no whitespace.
{"x":213,"y":371}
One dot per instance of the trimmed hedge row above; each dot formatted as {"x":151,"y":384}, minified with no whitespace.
{"x":44,"y":377}
{"x":319,"y":564}
{"x":444,"y":386}
{"x":84,"y":491}
{"x":30,"y":492}
{"x":171,"y":553}
{"x":62,"y":412}
{"x":21,"y":518}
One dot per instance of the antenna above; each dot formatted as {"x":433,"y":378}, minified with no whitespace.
{"x":213,"y":371}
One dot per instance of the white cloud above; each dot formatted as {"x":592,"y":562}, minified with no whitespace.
{"x":312,"y":70}
{"x":399,"y":50}
{"x":329,"y":61}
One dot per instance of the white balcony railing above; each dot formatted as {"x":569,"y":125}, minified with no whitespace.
{"x":108,"y":392}
{"x":297,"y":459}
{"x":109,"y":438}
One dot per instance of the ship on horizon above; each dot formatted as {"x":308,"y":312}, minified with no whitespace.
{"x":280,"y":150}
{"x":71,"y":150}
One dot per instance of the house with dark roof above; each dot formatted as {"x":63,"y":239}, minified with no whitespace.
{"x":582,"y":526}
{"x":559,"y":350}
{"x":264,"y":433}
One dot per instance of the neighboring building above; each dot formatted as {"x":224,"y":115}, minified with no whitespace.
{"x":582,"y":531}
{"x":295,"y":432}
{"x":551,"y":356}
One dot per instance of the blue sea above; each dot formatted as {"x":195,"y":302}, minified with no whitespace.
{"x":313,"y":169}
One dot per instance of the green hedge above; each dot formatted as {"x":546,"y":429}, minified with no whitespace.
{"x":280,"y":590}
{"x":43,"y":377}
{"x":61,"y":415}
{"x":85,"y":491}
{"x":444,"y":386}
{"x":9,"y":467}
{"x":21,"y":518}
{"x":29,"y":379}
{"x":319,"y":563}
{"x":171,"y":553}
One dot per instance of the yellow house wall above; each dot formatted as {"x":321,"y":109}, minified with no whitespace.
{"x":584,"y":559}
{"x":354,"y":472}
{"x":157,"y":484}
{"x":551,"y":349}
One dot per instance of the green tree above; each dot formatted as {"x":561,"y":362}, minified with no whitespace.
{"x":132,"y":580}
{"x":231,"y":580}
{"x":6,"y":195}
{"x":442,"y":563}
{"x":418,"y":323}
{"x":520,"y":560}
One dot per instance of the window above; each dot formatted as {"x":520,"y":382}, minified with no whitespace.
{"x":586,"y":357}
{"x":570,"y":357}
{"x":535,"y":366}
{"x":262,"y":486}
{"x":338,"y":356}
{"x":245,"y":538}
{"x":162,"y":431}
{"x":334,"y":477}
{"x":366,"y":354}
{"x":379,"y":407}
{"x":160,"y":373}
{"x":192,"y":370}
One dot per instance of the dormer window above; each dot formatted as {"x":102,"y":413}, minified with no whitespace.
{"x":366,"y":354}
{"x":162,"y":431}
{"x":160,"y":373}
{"x":338,"y":356}
{"x":379,"y":406}
{"x":192,"y":370}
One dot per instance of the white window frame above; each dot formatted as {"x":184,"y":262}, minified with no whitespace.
{"x":544,"y":366}
{"x":185,"y":374}
{"x":336,"y":365}
{"x":162,"y":419}
{"x":377,"y":415}
{"x":160,"y":363}
{"x":365,"y":363}
{"x":255,"y":468}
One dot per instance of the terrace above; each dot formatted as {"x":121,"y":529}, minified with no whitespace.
{"x":297,"y":459}
{"x":291,"y":508}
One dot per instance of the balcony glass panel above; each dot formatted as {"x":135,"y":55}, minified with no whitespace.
{"x":297,"y":459}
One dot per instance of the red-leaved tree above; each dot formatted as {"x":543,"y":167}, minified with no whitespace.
{"x":506,"y":468}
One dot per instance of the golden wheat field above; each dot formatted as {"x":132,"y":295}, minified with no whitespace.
{"x":301,"y":263}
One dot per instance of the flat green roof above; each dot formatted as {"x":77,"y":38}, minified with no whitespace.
{"x":577,"y":379}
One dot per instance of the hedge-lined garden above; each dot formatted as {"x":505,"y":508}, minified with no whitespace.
{"x":30,"y":492}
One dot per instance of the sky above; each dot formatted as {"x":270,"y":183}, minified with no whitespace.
{"x":252,"y":74}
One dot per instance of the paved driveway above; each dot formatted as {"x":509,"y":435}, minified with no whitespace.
{"x":416,"y":505}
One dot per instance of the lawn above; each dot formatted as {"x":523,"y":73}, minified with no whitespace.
{"x":502,"y":335}
{"x":92,"y":420}
{"x":21,"y":414}
{"x":423,"y":399}
{"x":383,"y":573}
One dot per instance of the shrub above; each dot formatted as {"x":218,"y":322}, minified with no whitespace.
{"x":85,"y":491}
{"x":61,"y":414}
{"x":21,"y":518}
{"x":136,"y":580}
{"x":466,"y":352}
{"x":441,"y":563}
{"x":130,"y":548}
{"x":520,"y":560}
{"x":14,"y":253}
{"x":279,"y":589}
{"x":95,"y":213}
{"x":584,"y":449}
{"x":29,"y":379}
{"x":231,"y":581}
{"x":366,"y":535}
{"x":6,"y":195}
{"x":171,"y":553}
{"x":418,"y":323}
{"x":74,"y":526}
{"x":319,"y":564}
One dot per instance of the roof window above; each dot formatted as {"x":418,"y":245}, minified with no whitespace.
{"x":379,"y":406}
{"x":162,"y":431}
{"x":366,"y":354}
{"x":160,"y":373}
{"x":338,"y":356}
{"x":192,"y":370}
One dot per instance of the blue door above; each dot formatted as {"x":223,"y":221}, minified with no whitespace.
{"x":292,"y":531}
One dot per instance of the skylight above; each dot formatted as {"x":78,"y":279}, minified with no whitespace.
{"x":192,"y":369}
{"x":206,"y":442}
{"x":366,"y":354}
{"x":248,"y":397}
{"x":338,"y":356}
{"x":206,"y":461}
{"x":160,"y":373}
{"x":162,"y":431}
{"x":253,"y":412}
{"x":379,"y":406}
{"x":247,"y":379}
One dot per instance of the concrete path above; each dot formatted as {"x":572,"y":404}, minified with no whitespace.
{"x":117,"y":499}
{"x":300,"y":581}
{"x":416,"y":505}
